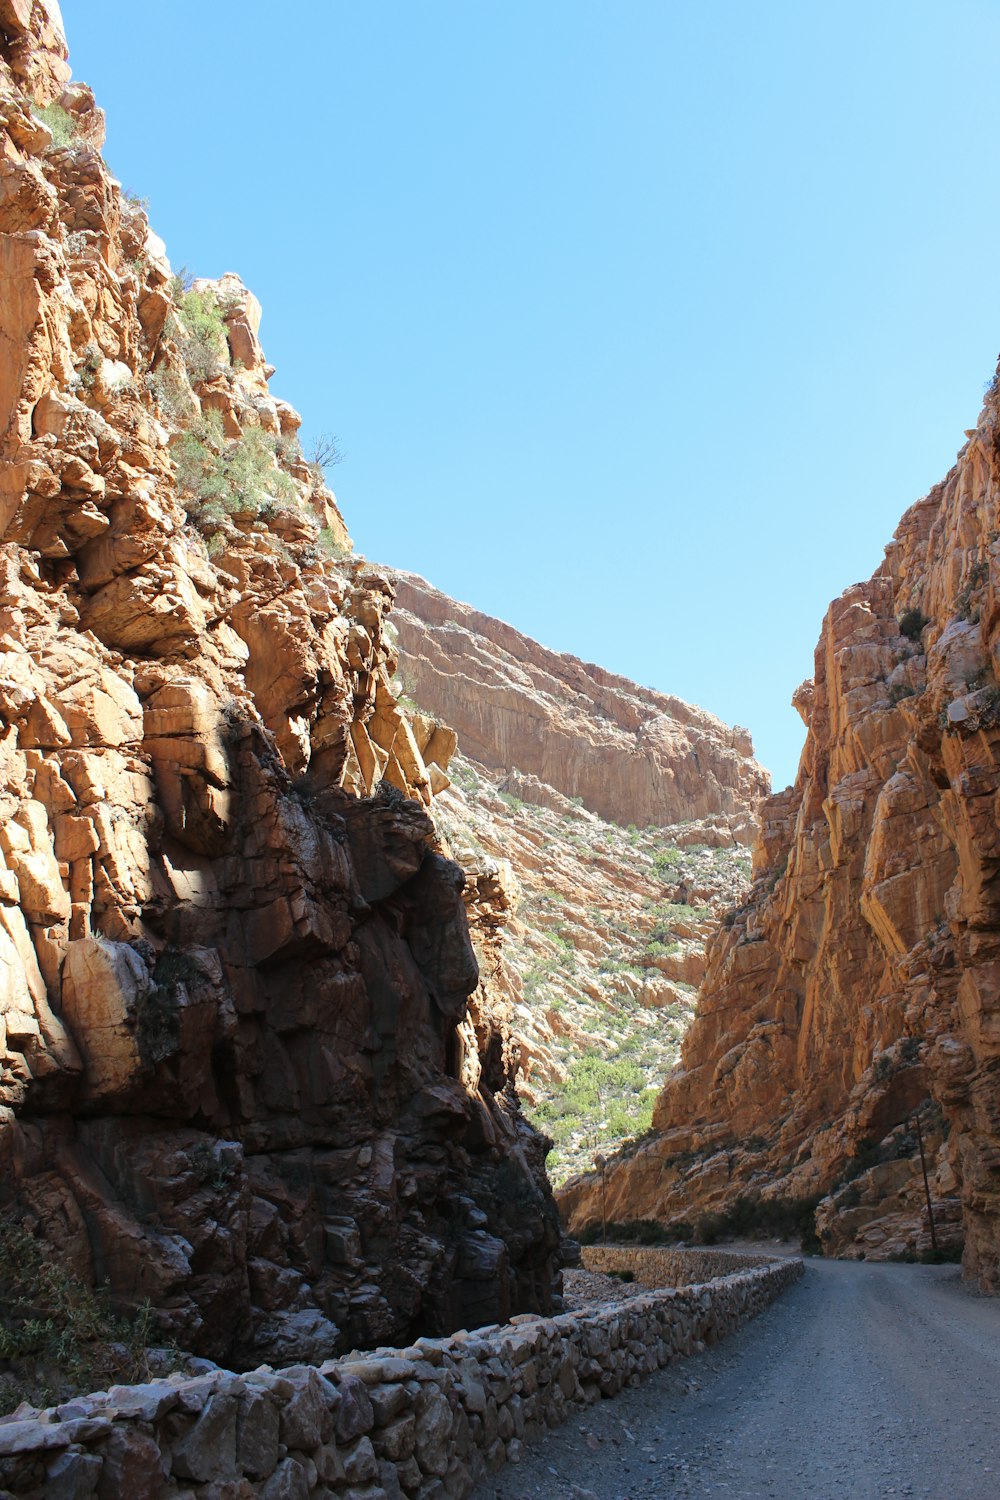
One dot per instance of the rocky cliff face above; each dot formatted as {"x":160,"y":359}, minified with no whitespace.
{"x":248,"y":1069}
{"x":856,"y":995}
{"x":631,"y":754}
{"x":561,"y":763}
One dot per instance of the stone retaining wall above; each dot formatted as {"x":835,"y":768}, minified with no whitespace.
{"x":425,"y":1423}
{"x":657,"y":1267}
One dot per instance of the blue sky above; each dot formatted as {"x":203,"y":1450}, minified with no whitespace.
{"x":639,"y":323}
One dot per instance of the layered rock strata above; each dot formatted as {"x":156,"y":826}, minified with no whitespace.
{"x":633,"y":755}
{"x":856,"y":994}
{"x":615,"y":819}
{"x":248,"y":1069}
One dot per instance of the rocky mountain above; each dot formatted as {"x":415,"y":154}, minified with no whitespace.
{"x":249,"y":1070}
{"x":616,"y":820}
{"x":631,"y":754}
{"x":851,"y":1009}
{"x":603,"y":947}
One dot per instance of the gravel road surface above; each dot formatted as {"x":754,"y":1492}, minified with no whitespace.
{"x":861,"y":1382}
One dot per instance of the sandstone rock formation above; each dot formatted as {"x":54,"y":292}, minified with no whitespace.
{"x":241,"y":1075}
{"x":857,"y":993}
{"x":632,"y":755}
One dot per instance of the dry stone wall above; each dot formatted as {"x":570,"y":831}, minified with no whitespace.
{"x":655,"y":1267}
{"x":426,"y":1422}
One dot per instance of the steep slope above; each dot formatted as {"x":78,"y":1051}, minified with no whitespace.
{"x":856,"y":995}
{"x":622,"y":815}
{"x":248,"y":1069}
{"x":604,"y":947}
{"x":632,"y":755}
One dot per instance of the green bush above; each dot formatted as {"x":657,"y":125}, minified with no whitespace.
{"x":200,"y":330}
{"x":752,"y":1216}
{"x":636,"y":1232}
{"x":219,"y":478}
{"x":63,"y":126}
{"x":912,"y":623}
{"x":610,"y":1094}
{"x":57,"y":1337}
{"x":171,"y":393}
{"x":666,"y":861}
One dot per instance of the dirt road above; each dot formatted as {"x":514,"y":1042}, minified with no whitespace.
{"x":861,"y":1382}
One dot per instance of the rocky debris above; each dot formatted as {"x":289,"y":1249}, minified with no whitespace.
{"x":248,"y":1070}
{"x":603,"y":946}
{"x":430,"y":1419}
{"x":633,"y":755}
{"x":581,"y":1288}
{"x":852,"y":997}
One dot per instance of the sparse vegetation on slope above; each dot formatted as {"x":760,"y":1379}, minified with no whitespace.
{"x":220,"y":479}
{"x":200,"y":329}
{"x":57,"y":1337}
{"x":607,"y":943}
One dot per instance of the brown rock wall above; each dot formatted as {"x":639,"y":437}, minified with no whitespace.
{"x":857,"y":987}
{"x":633,"y":755}
{"x":244,"y":1050}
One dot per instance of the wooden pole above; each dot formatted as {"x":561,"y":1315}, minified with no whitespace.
{"x":927,"y":1186}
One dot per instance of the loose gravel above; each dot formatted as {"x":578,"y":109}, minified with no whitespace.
{"x":860,"y":1383}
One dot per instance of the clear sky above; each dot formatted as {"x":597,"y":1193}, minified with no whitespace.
{"x":640,"y":323}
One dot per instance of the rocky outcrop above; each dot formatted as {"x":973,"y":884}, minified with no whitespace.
{"x":631,"y":754}
{"x":241,"y":1075}
{"x":854,"y":997}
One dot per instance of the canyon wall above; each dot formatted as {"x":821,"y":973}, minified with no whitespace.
{"x":633,"y":755}
{"x":855,"y":996}
{"x":616,"y":820}
{"x":249,"y":1069}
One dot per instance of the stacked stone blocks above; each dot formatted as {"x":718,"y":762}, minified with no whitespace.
{"x":425,"y":1423}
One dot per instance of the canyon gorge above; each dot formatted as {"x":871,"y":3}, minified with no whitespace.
{"x":606,"y":920}
{"x":847,"y":1025}
{"x":341,"y":921}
